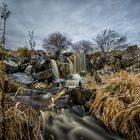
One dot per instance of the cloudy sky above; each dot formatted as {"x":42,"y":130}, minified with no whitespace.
{"x":79,"y":19}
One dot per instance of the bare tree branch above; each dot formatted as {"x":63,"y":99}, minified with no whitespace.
{"x":31,"y":40}
{"x":5,"y":13}
{"x":56,"y":42}
{"x":110,"y":40}
{"x":83,"y":46}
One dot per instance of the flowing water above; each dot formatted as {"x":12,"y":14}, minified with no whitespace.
{"x":71,"y":65}
{"x":79,"y":62}
{"x":77,"y":65}
{"x":55,"y":68}
{"x":72,"y":83}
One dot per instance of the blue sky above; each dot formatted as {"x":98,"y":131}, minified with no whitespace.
{"x":78,"y":19}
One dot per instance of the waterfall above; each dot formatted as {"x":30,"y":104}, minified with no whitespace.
{"x":80,"y":62}
{"x":55,"y":68}
{"x":84,"y":62}
{"x":71,"y":66}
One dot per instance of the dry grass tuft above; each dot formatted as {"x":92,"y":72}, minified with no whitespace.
{"x":91,"y":83}
{"x":16,"y":123}
{"x":117,"y":104}
{"x":56,"y":97}
{"x":24,"y":52}
{"x":20,"y":125}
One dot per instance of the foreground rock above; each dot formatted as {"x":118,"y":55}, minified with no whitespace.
{"x":44,"y":75}
{"x":81,"y":96}
{"x":22,"y":78}
{"x":11,"y":66}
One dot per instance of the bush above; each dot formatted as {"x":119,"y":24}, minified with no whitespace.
{"x":24,"y":52}
{"x":4,"y":54}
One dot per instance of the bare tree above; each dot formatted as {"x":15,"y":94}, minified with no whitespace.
{"x":31,"y":40}
{"x":56,"y":42}
{"x":84,"y":46}
{"x":76,"y":47}
{"x":5,"y":13}
{"x":110,"y":40}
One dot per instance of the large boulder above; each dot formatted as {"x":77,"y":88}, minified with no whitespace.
{"x":80,"y":96}
{"x":11,"y":66}
{"x":42,"y":63}
{"x":44,"y":75}
{"x":22,"y":78}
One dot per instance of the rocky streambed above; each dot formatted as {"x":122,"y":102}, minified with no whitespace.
{"x":57,"y":92}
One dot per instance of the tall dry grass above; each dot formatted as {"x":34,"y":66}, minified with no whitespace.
{"x":117,"y":104}
{"x":16,"y":123}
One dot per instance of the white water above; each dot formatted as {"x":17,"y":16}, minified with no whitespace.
{"x":79,"y":62}
{"x":71,"y":65}
{"x":55,"y":68}
{"x":72,"y":83}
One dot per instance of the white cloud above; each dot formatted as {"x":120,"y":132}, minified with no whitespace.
{"x":79,"y":19}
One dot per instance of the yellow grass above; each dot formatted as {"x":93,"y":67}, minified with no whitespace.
{"x":24,"y":52}
{"x":16,"y":123}
{"x":20,"y":125}
{"x":117,"y":104}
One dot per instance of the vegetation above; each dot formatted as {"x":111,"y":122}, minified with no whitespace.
{"x":24,"y":52}
{"x":56,"y":42}
{"x":83,"y":46}
{"x":5,"y":13}
{"x":117,"y":104}
{"x":110,"y":40}
{"x":31,"y":40}
{"x":4,"y":54}
{"x":16,"y":123}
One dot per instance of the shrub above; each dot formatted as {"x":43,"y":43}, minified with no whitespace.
{"x":24,"y":52}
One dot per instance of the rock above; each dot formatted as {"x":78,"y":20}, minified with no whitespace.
{"x":11,"y":66}
{"x":28,"y":70}
{"x":22,"y":67}
{"x":25,"y":60}
{"x":44,"y":75}
{"x":42,"y":64}
{"x":22,"y":78}
{"x":79,"y":96}
{"x":59,"y":83}
{"x":83,"y":73}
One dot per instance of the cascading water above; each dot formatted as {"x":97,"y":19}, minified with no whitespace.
{"x":71,"y":65}
{"x":55,"y":68}
{"x":84,"y":62}
{"x":80,"y":62}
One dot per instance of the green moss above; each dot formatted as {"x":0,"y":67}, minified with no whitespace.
{"x":4,"y":54}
